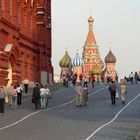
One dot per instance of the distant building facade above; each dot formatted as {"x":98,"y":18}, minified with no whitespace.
{"x":25,"y":41}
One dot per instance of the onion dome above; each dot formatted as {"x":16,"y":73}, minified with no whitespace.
{"x":65,"y":61}
{"x":77,"y":61}
{"x":110,"y":58}
{"x":90,"y":19}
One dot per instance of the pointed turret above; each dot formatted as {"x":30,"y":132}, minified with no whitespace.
{"x":91,"y":55}
{"x":90,"y":37}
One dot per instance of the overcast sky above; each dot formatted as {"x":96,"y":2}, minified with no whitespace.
{"x":115,"y":21}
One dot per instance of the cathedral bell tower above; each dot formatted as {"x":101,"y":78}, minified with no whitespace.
{"x":91,"y":55}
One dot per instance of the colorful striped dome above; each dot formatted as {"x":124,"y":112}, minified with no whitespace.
{"x":110,"y":58}
{"x":65,"y":61}
{"x":77,"y":61}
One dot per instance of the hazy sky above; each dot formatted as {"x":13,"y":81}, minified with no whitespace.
{"x":115,"y":21}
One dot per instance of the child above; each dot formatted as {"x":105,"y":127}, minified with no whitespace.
{"x":123,"y":91}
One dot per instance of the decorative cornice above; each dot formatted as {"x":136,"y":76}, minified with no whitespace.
{"x":9,"y":24}
{"x":28,"y":38}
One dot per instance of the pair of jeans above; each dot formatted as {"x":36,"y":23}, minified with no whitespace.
{"x":43,"y":102}
{"x":14,"y":102}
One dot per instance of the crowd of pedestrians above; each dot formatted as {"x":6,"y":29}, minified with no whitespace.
{"x":40,"y":97}
{"x":12,"y":95}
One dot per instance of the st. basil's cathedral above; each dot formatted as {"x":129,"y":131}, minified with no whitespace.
{"x":90,"y":63}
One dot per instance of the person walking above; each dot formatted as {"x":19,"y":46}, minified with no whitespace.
{"x":19,"y":94}
{"x":9,"y":90}
{"x":86,"y":80}
{"x":81,"y":78}
{"x":43,"y":95}
{"x":123,"y":91}
{"x":26,"y":84}
{"x":79,"y":94}
{"x":2,"y":100}
{"x":131,"y":77}
{"x":85,"y":94}
{"x":36,"y":96}
{"x":14,"y":98}
{"x":112,"y":89}
{"x":136,"y":77}
{"x":49,"y":95}
{"x":64,"y":79}
{"x":93,"y":80}
{"x":109,"y":76}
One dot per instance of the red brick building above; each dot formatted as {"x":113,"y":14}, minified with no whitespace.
{"x":25,"y":41}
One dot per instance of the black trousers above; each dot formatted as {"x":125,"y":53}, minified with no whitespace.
{"x":2,"y":101}
{"x":19,"y":98}
{"x":26,"y":88}
{"x":113,"y":97}
{"x":37,"y":103}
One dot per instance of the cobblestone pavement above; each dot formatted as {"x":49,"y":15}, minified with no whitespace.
{"x":62,"y":120}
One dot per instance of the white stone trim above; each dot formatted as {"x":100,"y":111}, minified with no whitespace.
{"x":8,"y":47}
{"x":2,"y":52}
{"x":13,"y":73}
{"x":40,"y":13}
{"x":39,"y":7}
{"x":2,"y":70}
{"x":40,"y":23}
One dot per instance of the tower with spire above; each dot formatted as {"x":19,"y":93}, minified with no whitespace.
{"x":91,"y":56}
